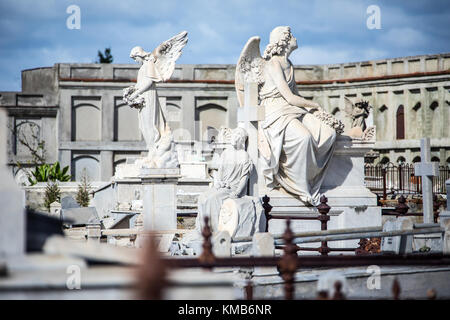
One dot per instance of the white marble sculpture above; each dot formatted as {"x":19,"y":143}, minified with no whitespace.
{"x":358,"y":113}
{"x":157,"y":66}
{"x":297,"y":138}
{"x":226,"y":203}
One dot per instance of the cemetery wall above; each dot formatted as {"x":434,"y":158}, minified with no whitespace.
{"x":77,"y":109}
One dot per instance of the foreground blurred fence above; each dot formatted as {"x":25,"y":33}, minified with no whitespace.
{"x":290,"y":262}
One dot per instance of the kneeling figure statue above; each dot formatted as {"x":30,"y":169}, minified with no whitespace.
{"x":226,"y":203}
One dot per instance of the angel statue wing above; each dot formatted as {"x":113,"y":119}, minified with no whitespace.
{"x":249,"y":67}
{"x":168,"y":52}
{"x":349,"y":106}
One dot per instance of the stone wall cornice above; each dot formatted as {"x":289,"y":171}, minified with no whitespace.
{"x":410,"y":143}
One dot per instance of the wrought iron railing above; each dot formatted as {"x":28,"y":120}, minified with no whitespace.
{"x":385,"y":179}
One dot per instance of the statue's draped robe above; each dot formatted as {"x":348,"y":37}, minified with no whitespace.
{"x":301,"y":145}
{"x":229,"y":177}
{"x":152,"y":122}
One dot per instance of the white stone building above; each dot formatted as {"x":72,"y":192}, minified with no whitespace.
{"x":77,"y":109}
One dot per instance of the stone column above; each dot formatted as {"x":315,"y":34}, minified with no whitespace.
{"x":159,"y":200}
{"x":107,"y":105}
{"x":106,"y":162}
{"x":12,"y":217}
{"x":65,"y":158}
{"x":188,"y":114}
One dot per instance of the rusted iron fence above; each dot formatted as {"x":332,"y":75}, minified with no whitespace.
{"x":323,"y":208}
{"x":401,"y":209}
{"x":287,"y":264}
{"x":384,"y":179}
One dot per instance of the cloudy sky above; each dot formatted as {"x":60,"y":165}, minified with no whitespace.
{"x":35,"y":34}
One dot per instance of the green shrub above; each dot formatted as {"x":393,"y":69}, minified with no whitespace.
{"x":52,"y":194}
{"x":83,"y":192}
{"x":46,"y":172}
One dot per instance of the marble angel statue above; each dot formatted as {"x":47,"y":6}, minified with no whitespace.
{"x":297,"y":138}
{"x":357,"y":112}
{"x":156,"y":66}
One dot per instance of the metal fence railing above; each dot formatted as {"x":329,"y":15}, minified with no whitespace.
{"x":383,"y":179}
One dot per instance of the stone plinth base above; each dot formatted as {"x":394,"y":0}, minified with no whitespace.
{"x":350,"y":208}
{"x":160,"y":198}
{"x":194,"y":170}
{"x":352,"y":204}
{"x":429,"y":242}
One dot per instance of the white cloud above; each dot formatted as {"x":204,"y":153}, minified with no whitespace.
{"x":327,"y":55}
{"x":332,"y":31}
{"x":404,"y":38}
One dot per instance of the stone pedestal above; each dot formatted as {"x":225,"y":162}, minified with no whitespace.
{"x":194,"y":170}
{"x":159,"y":198}
{"x":352,"y":204}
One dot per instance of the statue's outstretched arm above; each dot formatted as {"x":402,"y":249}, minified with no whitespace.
{"x":276,"y":73}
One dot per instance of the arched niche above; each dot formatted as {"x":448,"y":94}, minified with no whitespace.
{"x":181,"y":134}
{"x":415,"y":120}
{"x":435,"y":159}
{"x":416,"y":159}
{"x":209,"y":118}
{"x":85,"y":164}
{"x":382,"y":123}
{"x":436,"y":120}
{"x":336,"y":112}
{"x":417,"y":106}
{"x":126,"y":123}
{"x":27,"y":137}
{"x":86,"y":122}
{"x":384,"y":160}
{"x":401,"y":160}
{"x":173,"y":112}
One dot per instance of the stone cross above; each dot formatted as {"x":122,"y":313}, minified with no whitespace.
{"x":427,"y":170}
{"x":248,"y":117}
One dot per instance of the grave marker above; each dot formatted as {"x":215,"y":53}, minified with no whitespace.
{"x":427,"y":170}
{"x":248,"y":117}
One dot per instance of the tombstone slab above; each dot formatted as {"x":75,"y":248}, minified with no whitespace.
{"x":263,"y":245}
{"x":397,"y":244}
{"x":79,"y":216}
{"x":69,"y":202}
